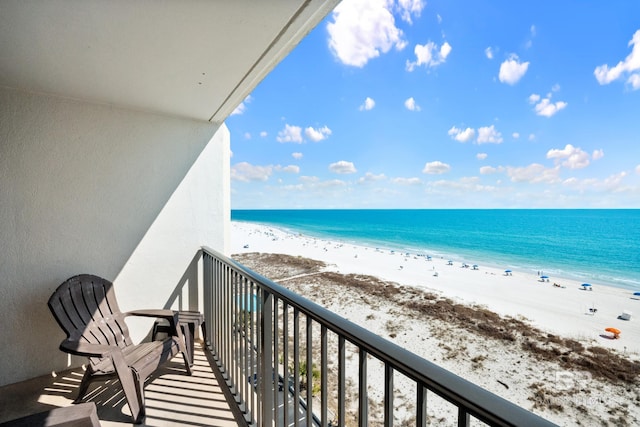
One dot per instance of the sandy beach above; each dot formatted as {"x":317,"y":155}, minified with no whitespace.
{"x":558,"y":307}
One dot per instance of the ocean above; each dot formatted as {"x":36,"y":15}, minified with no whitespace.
{"x":590,"y":245}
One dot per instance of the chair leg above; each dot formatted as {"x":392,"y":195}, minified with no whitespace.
{"x":130,"y":386}
{"x":84,"y":385}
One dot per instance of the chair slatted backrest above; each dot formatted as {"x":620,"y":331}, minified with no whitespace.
{"x":86,"y":309}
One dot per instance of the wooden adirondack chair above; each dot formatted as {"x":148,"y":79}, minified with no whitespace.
{"x":86,"y":309}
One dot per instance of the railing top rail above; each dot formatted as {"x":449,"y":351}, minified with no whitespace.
{"x":477,"y":401}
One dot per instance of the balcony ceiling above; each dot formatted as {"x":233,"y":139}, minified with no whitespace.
{"x":189,"y":58}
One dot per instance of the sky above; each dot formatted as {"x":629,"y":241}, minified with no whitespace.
{"x":448,"y":104}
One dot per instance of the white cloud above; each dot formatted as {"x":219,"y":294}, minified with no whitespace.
{"x":570,"y":157}
{"x":240,"y":109}
{"x":634,"y":81}
{"x":247,"y":172}
{"x":597,"y":154}
{"x":290,"y":134}
{"x":317,"y":135}
{"x":544,"y":107}
{"x":489,"y":134}
{"x":460,"y":135}
{"x":532,"y":136}
{"x":290,"y":168}
{"x":411,"y":105}
{"x":489,"y":52}
{"x":429,"y":55}
{"x":263,"y":134}
{"x":297,"y":156}
{"x":486,"y":170}
{"x":407,"y":181}
{"x":512,"y":70}
{"x":342,"y":167}
{"x":481,"y":156}
{"x":638,"y":169}
{"x":436,"y":168}
{"x":410,"y":8}
{"x":515,"y":135}
{"x":605,"y":74}
{"x":367,"y":105}
{"x":247,"y":135}
{"x":361,"y":30}
{"x":369,"y":177}
{"x":534,"y":173}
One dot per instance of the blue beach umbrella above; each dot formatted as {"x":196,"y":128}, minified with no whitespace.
{"x":248,"y":303}
{"x":636,"y":294}
{"x":544,"y":277}
{"x":507,"y":272}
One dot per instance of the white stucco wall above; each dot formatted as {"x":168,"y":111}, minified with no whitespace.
{"x":126,"y":195}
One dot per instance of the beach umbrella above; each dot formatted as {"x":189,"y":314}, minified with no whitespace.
{"x":507,"y":272}
{"x":248,"y":303}
{"x":614,"y":331}
{"x":544,"y":277}
{"x":636,"y":294}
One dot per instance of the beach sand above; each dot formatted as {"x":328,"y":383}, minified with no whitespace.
{"x":557,"y":390}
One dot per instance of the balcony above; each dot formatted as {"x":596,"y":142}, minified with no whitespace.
{"x":254,"y":369}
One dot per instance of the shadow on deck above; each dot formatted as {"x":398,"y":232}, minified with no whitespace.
{"x":171,"y":397}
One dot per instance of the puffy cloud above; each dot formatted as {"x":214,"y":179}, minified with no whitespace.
{"x":597,"y":154}
{"x":487,"y":170}
{"x":605,"y":74}
{"x":342,"y":167}
{"x":512,"y":70}
{"x":369,"y":177}
{"x":263,"y":134}
{"x":410,"y":8}
{"x":290,"y":134}
{"x":317,"y":135}
{"x":429,"y":55}
{"x":489,"y":52}
{"x":297,"y":156}
{"x":247,"y":135}
{"x":489,"y":134}
{"x":411,"y":105}
{"x":570,"y":157}
{"x":240,"y":109}
{"x":532,"y":136}
{"x":515,"y":135}
{"x":481,"y":156}
{"x":361,"y":30}
{"x":367,"y":105}
{"x":407,"y":181}
{"x":534,"y":173}
{"x":247,"y":172}
{"x":544,"y":106}
{"x":436,"y":168}
{"x":289,"y":169}
{"x":460,"y":135}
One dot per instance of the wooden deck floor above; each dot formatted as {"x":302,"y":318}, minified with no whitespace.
{"x":172,"y":397}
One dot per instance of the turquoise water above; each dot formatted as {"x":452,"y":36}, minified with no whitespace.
{"x":595,"y":246}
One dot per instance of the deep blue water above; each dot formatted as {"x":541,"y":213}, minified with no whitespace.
{"x":595,"y":246}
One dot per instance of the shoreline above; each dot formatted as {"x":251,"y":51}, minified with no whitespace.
{"x":565,"y":309}
{"x":494,"y":261}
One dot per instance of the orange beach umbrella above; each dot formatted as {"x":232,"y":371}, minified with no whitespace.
{"x":614,"y":331}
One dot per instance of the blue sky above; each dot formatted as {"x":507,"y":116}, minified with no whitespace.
{"x":448,"y":104}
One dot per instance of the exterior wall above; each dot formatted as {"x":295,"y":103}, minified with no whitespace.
{"x":85,"y":188}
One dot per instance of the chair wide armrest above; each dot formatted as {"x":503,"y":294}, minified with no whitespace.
{"x":163,"y":314}
{"x":86,"y":349}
